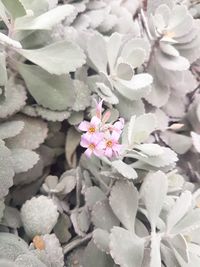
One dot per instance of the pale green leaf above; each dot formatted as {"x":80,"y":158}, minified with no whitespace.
{"x":126,"y":248}
{"x":11,"y":246}
{"x":6,"y":170}
{"x":10,"y":129}
{"x":124,"y":202}
{"x":95,"y":257}
{"x":23,"y":159}
{"x":124,"y":169}
{"x":93,"y":194}
{"x":15,"y":99}
{"x":43,"y":21}
{"x":51,"y":91}
{"x":103,"y":216}
{"x":29,"y":260}
{"x":15,"y":8}
{"x":33,"y":134}
{"x":57,"y":58}
{"x":101,"y":239}
{"x":153,"y":192}
{"x":141,"y":127}
{"x":179,"y":209}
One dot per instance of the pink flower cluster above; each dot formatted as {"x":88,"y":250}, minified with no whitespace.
{"x":101,"y":138}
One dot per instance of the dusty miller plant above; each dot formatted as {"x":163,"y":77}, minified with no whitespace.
{"x":99,"y":133}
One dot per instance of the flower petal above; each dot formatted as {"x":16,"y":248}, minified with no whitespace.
{"x":84,"y":125}
{"x":88,"y":152}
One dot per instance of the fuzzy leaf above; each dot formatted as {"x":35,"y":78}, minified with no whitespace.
{"x":33,"y":134}
{"x":23,"y":159}
{"x":124,"y":202}
{"x":6,"y":170}
{"x":135,"y":88}
{"x":11,"y":218}
{"x":124,"y":169}
{"x":153,"y":192}
{"x":15,"y":97}
{"x":58,"y":58}
{"x":11,"y":246}
{"x":10,"y":129}
{"x":125,"y":248}
{"x":28,"y":260}
{"x":51,"y":91}
{"x":93,"y":194}
{"x":43,"y":22}
{"x":52,"y":115}
{"x":39,"y":216}
{"x":103,"y":216}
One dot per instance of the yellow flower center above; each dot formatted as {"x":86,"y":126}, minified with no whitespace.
{"x":91,"y":130}
{"x":109,"y":143}
{"x":92,"y":146}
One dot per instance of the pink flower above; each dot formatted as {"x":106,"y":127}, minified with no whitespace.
{"x":90,"y":127}
{"x":98,"y":108}
{"x":94,"y":144}
{"x":118,"y":126}
{"x":112,"y":146}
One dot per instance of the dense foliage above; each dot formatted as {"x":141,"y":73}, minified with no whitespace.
{"x":99,"y":133}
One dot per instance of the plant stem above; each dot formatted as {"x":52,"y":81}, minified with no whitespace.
{"x":75,"y":243}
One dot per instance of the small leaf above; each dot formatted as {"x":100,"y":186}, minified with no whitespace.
{"x":124,"y":169}
{"x":179,"y":209}
{"x":51,"y":91}
{"x":23,"y":159}
{"x":57,"y":58}
{"x":125,"y":248}
{"x":124,"y":202}
{"x":43,"y":22}
{"x":153,"y":192}
{"x":15,"y":8}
